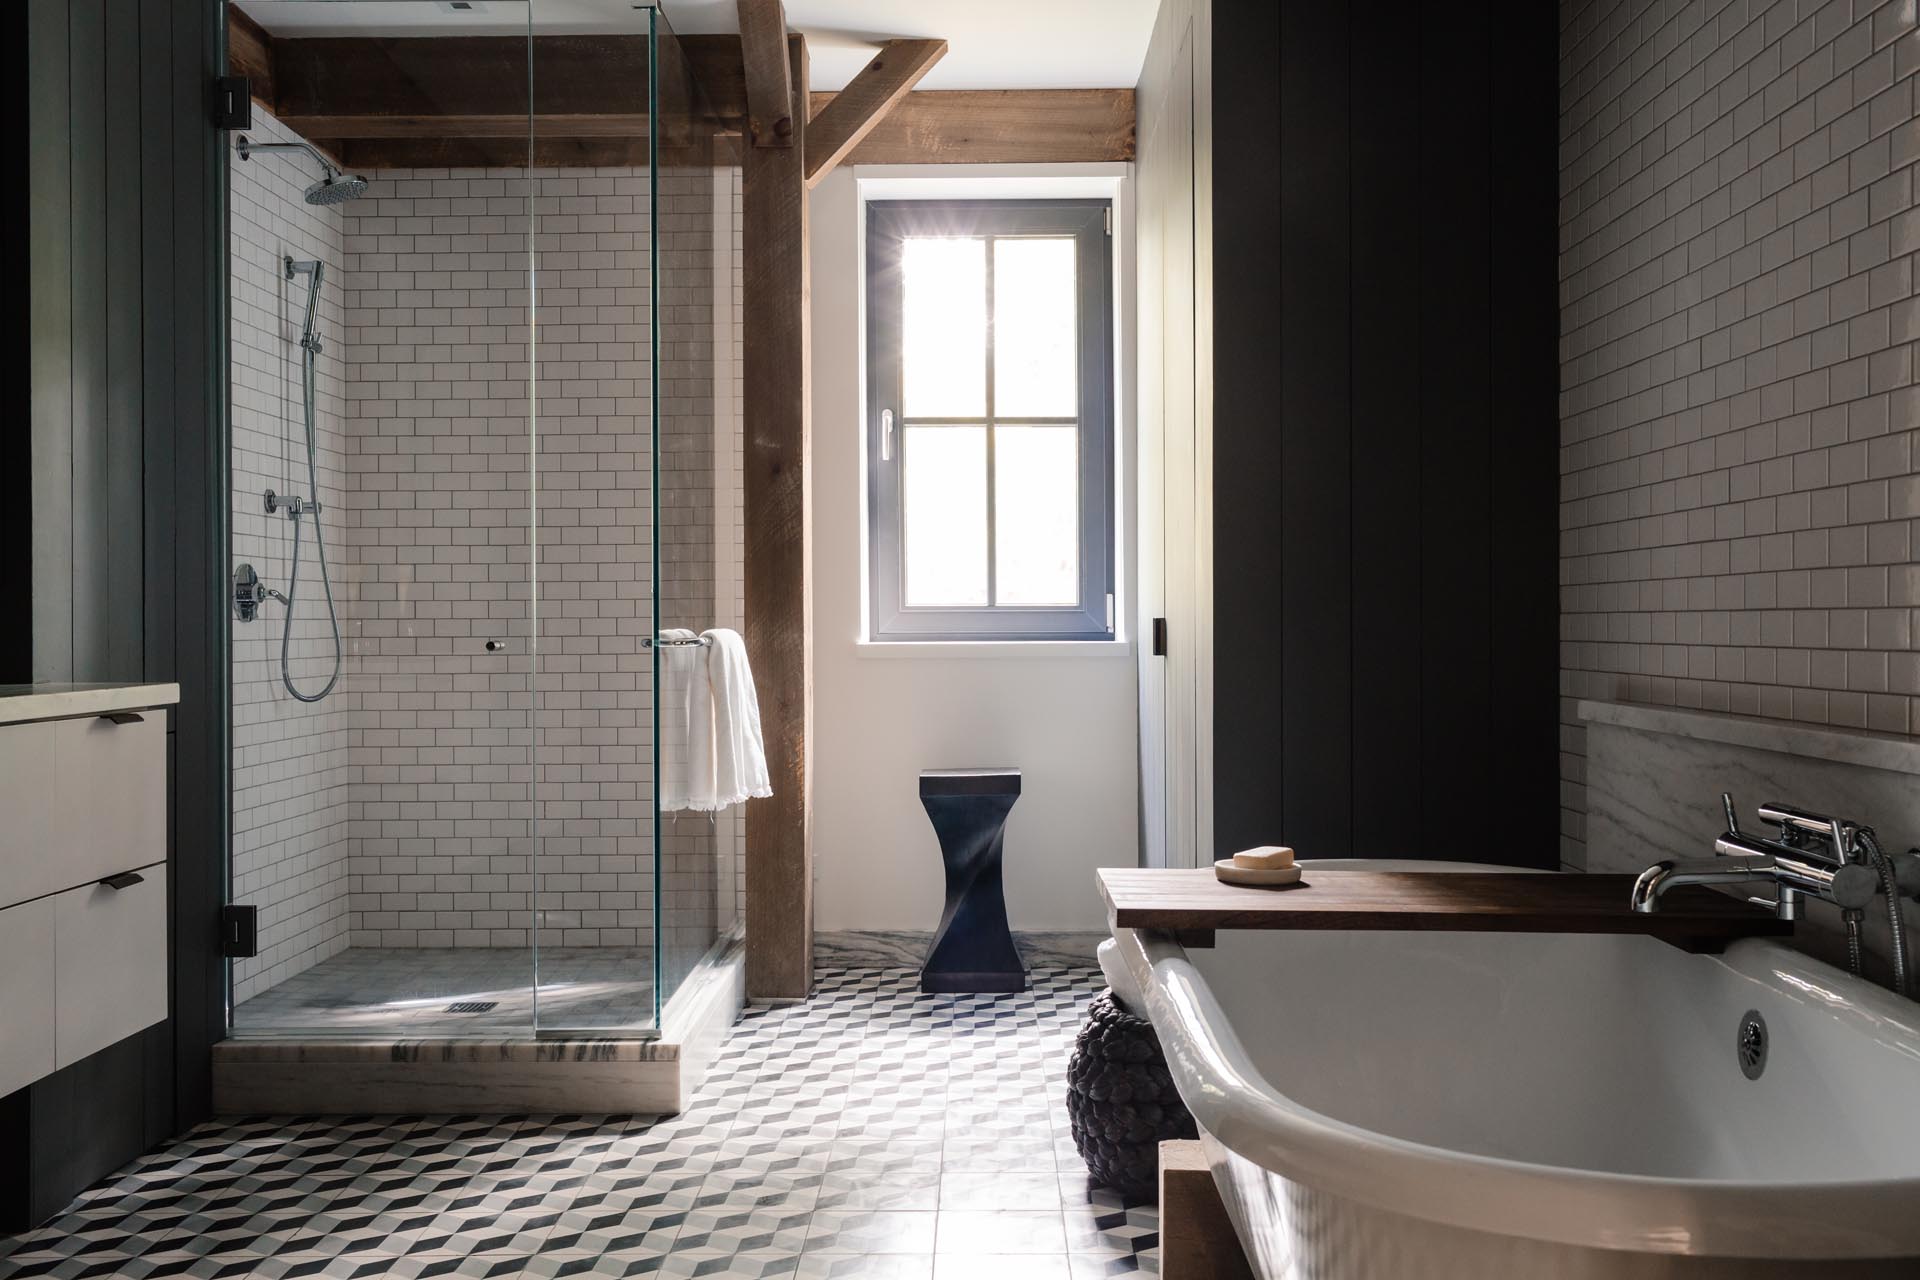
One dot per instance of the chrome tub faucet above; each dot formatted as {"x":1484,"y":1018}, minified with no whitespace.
{"x":1832,"y":859}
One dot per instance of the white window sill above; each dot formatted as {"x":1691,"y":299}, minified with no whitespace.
{"x":998,"y":649}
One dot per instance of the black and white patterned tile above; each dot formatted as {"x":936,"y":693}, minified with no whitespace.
{"x":874,"y":1132}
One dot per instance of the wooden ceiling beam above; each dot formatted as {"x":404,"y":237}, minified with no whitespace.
{"x":250,"y":54}
{"x":398,"y":103}
{"x":610,"y":125}
{"x":998,"y":126}
{"x":359,"y":155}
{"x":856,"y":110}
{"x":764,"y":58}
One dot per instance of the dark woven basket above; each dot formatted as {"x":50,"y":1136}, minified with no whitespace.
{"x":1121,"y":1100}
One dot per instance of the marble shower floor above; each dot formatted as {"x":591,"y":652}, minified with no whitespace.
{"x":873,"y":1131}
{"x":405,"y":992}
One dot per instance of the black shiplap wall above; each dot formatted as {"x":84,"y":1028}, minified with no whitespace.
{"x":1385,"y":430}
{"x":111,"y":498}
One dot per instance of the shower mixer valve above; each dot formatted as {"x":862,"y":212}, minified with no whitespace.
{"x":296,"y":507}
{"x":249,"y":593}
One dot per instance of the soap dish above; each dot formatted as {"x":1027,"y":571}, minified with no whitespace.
{"x":1272,"y":878}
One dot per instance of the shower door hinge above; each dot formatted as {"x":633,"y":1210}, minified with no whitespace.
{"x":239,"y":931}
{"x":232,"y":103}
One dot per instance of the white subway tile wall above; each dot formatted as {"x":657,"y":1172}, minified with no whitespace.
{"x":431,"y":738}
{"x":1738,"y":493}
{"x":292,"y":770}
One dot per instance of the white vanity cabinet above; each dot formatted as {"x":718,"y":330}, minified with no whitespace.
{"x":83,"y":871}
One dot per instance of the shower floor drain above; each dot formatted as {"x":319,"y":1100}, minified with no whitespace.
{"x":471,"y":1006}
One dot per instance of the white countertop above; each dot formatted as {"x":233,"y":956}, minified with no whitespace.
{"x":23,"y":702}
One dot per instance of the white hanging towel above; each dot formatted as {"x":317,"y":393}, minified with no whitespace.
{"x":686,"y":722}
{"x":739,"y":755}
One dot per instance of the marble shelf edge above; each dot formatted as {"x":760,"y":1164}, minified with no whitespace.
{"x":1896,"y":753}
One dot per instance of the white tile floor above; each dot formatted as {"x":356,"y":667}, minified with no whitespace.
{"x":871,"y":1132}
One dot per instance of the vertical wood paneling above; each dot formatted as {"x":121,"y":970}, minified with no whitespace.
{"x":87,"y":158}
{"x":1315,"y":476}
{"x":1383,"y":423}
{"x":1388,"y":548}
{"x":16,"y":443}
{"x":1455,"y":230}
{"x":157,"y":292}
{"x":1524,"y":372}
{"x":121,"y":577}
{"x":1236,"y":279}
{"x":50,"y":354}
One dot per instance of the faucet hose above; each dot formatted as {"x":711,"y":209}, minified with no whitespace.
{"x":1896,"y":922}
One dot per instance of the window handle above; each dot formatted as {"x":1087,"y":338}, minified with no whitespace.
{"x":886,"y":435}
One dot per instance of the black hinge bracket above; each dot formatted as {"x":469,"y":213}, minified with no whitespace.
{"x":1159,"y":637}
{"x":239,"y":931}
{"x":232,"y":104}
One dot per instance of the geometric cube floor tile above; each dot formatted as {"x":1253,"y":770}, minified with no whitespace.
{"x":873,"y":1131}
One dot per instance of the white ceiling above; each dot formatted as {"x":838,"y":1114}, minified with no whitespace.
{"x":992,"y":44}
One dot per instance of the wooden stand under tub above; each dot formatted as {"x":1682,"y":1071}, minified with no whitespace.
{"x":1192,"y":904}
{"x":1197,"y":1240}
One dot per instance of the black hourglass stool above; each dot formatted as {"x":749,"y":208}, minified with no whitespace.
{"x":973,"y":949}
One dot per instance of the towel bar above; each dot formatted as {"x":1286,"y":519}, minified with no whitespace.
{"x":651,"y":641}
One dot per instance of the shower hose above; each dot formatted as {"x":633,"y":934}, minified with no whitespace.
{"x":310,"y":350}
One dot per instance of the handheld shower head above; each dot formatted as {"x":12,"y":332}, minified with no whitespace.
{"x":334,"y":186}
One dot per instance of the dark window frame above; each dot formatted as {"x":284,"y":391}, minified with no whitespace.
{"x":889,"y":222}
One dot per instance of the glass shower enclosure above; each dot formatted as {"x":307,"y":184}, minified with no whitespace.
{"x":479,"y":305}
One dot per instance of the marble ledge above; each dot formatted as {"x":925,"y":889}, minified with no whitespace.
{"x":1896,"y":753}
{"x":907,"y":948}
{"x":477,"y":1051}
{"x":20,"y":703}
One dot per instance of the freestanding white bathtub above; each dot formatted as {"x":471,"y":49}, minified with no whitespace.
{"x":1406,"y":1106}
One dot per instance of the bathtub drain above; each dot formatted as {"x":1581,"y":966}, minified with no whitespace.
{"x":1751,"y":1045}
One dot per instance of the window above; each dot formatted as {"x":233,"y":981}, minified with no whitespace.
{"x":990,"y":400}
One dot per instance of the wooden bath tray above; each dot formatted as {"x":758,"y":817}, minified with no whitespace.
{"x":1192,"y":903}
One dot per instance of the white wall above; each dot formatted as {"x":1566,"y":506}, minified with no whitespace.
{"x":1065,"y":715}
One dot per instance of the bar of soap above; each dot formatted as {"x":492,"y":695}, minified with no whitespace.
{"x":1268,"y":857}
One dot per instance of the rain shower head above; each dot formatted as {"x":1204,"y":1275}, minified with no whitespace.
{"x":337,"y":188}
{"x":334,"y":186}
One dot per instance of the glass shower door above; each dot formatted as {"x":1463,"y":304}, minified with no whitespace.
{"x":382,"y":395}
{"x":630,"y":457}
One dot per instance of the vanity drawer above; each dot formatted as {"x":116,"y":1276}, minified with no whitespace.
{"x":26,"y":994}
{"x":26,"y":798}
{"x":109,"y":962}
{"x":83,"y":799}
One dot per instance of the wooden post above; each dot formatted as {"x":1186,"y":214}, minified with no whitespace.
{"x":1197,"y":1240}
{"x":777,"y":388}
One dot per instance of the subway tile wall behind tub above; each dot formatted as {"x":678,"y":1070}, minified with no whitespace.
{"x":292,"y":770}
{"x":1738,"y":405}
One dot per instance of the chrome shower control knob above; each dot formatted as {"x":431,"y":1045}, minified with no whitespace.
{"x":1854,"y":886}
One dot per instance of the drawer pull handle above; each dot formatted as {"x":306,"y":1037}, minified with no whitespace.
{"x":123,"y":717}
{"x":125,"y":880}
